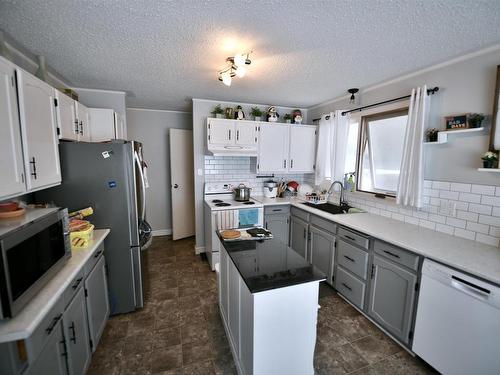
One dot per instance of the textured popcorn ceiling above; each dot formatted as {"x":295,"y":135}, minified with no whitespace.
{"x":305,"y":52}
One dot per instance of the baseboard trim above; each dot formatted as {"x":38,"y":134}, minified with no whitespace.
{"x":162,"y":232}
{"x":199,"y":249}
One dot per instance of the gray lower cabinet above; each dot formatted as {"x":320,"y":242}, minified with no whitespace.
{"x":278,"y":225}
{"x":76,"y":332}
{"x":322,"y":250}
{"x":392,"y":297}
{"x":52,"y":359}
{"x":96,"y":294}
{"x":298,"y":235}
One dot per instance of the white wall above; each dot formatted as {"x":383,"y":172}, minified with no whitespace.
{"x":464,"y":86}
{"x":201,"y":110}
{"x":152,"y":128}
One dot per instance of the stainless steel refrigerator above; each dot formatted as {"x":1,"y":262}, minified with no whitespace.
{"x":110,"y":178}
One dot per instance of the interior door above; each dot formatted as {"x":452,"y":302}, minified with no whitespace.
{"x":66,"y":120}
{"x":302,"y":148}
{"x":182,"y":188}
{"x":273,"y":148}
{"x":39,"y":131}
{"x":11,"y":154}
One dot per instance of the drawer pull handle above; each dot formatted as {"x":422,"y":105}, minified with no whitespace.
{"x":77,"y":282}
{"x":349,"y":237}
{"x":97,"y":254}
{"x":53,"y":324}
{"x":347,"y":286}
{"x":277,"y":209}
{"x":391,"y":254}
{"x":349,"y":258}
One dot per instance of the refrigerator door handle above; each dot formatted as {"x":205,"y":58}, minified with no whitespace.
{"x":143,"y":187}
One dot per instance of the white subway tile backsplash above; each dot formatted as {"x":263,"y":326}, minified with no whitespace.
{"x":467,"y":197}
{"x":497,"y":191}
{"x":385,"y":213}
{"x":476,"y":227}
{"x":455,"y":222}
{"x":469,"y":216}
{"x":464,"y":188}
{"x":464,"y":206}
{"x":489,"y":240}
{"x":483,"y":189}
{"x":492,"y":201}
{"x":480,"y":208}
{"x":490,"y":220}
{"x":427,"y":184}
{"x":465,"y":234}
{"x":441,"y":185}
{"x":411,"y":220}
{"x":437,"y":218}
{"x":399,"y":217}
{"x":448,"y":194}
{"x":427,"y":224}
{"x":444,"y":228}
{"x":431,"y":192}
{"x":496,"y":211}
{"x":494,"y":231}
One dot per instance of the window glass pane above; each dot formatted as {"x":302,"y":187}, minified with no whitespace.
{"x":381,"y":156}
{"x":352,"y":146}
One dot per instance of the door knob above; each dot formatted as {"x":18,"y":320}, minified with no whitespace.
{"x":176,"y":186}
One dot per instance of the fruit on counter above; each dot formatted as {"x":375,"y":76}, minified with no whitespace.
{"x":78,"y":225}
{"x":80,"y":214}
{"x":79,"y":242}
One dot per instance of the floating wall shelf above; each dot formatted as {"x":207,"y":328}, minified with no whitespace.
{"x":443,"y":136}
{"x":493,"y":170}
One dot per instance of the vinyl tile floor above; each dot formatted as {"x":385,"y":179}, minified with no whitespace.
{"x":179,"y":331}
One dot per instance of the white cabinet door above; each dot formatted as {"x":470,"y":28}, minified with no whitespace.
{"x":82,"y":115}
{"x":39,"y":131}
{"x":246,"y":134}
{"x":102,"y":124}
{"x":11,"y":154}
{"x":66,"y":119}
{"x":273,"y":148}
{"x":220,"y":132}
{"x":302,"y":149}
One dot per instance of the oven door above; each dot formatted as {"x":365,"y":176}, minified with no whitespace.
{"x":30,"y":257}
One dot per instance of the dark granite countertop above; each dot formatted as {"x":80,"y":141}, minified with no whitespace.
{"x":270,"y":264}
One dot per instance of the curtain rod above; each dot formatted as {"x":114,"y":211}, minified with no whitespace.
{"x":429,"y":92}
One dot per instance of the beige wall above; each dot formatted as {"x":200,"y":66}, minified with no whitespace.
{"x":152,"y":128}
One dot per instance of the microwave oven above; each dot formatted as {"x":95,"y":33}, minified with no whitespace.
{"x":31,"y":255}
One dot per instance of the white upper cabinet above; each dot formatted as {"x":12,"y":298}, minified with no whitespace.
{"x":232,"y":137}
{"x":38,"y":131}
{"x":11,"y":154}
{"x":302,"y":148}
{"x":273,"y":148}
{"x":66,"y":119}
{"x":103,"y":124}
{"x":82,"y":116}
{"x":121,"y":128}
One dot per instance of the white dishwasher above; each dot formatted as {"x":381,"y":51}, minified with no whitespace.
{"x":457,"y":328}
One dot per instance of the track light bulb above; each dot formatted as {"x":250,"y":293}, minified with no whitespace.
{"x":226,"y":78}
{"x":239,"y":60}
{"x":241,"y":71}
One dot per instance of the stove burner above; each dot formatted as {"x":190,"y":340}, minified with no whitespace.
{"x":216,"y":201}
{"x":249,"y":202}
{"x":222,"y":204}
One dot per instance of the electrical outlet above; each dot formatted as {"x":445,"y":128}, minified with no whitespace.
{"x":443,"y":207}
{"x":452,"y":208}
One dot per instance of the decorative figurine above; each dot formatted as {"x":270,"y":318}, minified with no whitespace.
{"x":229,"y":113}
{"x":272,"y":115}
{"x":239,"y":114}
{"x":297,"y":116}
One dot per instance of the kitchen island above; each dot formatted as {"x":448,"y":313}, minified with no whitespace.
{"x":268,"y":298}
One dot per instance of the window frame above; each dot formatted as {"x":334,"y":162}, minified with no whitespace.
{"x":363,"y":124}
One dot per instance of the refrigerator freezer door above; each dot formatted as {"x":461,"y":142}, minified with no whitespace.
{"x":101,"y":175}
{"x":138,"y":276}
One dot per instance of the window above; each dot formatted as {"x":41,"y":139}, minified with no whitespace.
{"x":379,"y":151}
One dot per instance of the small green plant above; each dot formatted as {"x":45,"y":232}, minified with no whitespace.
{"x":475,"y":120}
{"x":287,"y":116}
{"x":217,"y":110}
{"x":256,"y":112}
{"x":490,"y":156}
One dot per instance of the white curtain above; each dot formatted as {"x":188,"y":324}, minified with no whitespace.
{"x":411,"y":176}
{"x":332,"y":143}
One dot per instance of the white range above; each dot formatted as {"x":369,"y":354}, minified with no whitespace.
{"x":223,"y":212}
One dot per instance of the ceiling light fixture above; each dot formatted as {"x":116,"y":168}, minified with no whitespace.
{"x":353,"y":91}
{"x":236,"y":67}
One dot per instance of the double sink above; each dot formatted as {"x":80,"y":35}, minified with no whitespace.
{"x":333,"y":208}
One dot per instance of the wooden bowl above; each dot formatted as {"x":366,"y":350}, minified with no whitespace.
{"x":12,"y":214}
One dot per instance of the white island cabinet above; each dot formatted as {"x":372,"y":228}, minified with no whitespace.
{"x":270,"y":309}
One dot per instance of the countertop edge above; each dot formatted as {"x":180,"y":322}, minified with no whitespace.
{"x":21,"y":334}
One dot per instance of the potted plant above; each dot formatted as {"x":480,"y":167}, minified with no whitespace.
{"x":256,"y":113}
{"x":432,"y":134}
{"x":287,"y":117}
{"x":475,"y":120}
{"x":218,"y":111}
{"x":489,"y":159}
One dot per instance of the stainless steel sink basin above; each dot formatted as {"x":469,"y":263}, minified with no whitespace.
{"x":330,"y":208}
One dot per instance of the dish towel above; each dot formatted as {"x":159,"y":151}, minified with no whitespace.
{"x":227,"y":219}
{"x":249,"y":217}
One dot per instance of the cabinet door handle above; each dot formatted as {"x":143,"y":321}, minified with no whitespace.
{"x":349,"y":258}
{"x":392,"y":254}
{"x":33,"y":163}
{"x":50,"y":328}
{"x":266,"y":225}
{"x":77,"y":282}
{"x":373,"y":271}
{"x":81,"y":127}
{"x":305,"y":232}
{"x":291,"y":164}
{"x":277,"y":209}
{"x":229,"y":134}
{"x":96,"y":255}
{"x":347,"y":286}
{"x":349,"y":237}
{"x":72,"y":328}
{"x":76,"y":127}
{"x":237,"y":135}
{"x":284,"y":163}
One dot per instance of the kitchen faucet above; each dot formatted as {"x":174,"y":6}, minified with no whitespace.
{"x":330,"y":191}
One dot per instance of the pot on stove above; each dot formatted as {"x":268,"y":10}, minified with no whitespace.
{"x":242,"y":193}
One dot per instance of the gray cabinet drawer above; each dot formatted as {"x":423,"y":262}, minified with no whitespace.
{"x":396,"y":254}
{"x":350,"y":287}
{"x":42,"y":332}
{"x":277,"y":210}
{"x":354,"y":237}
{"x":93,"y":260}
{"x":324,"y":224}
{"x":304,"y":215}
{"x":352,"y":258}
{"x":72,"y":288}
